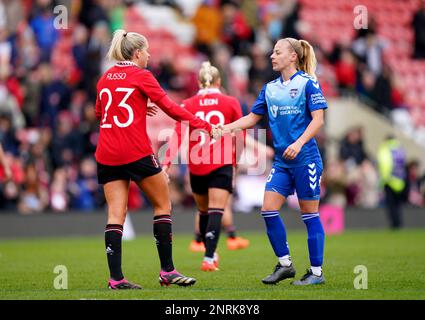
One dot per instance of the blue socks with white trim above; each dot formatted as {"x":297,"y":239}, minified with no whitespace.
{"x":277,"y":235}
{"x":316,"y":240}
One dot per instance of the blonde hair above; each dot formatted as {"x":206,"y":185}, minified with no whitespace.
{"x":306,"y":58}
{"x":124,"y":44}
{"x":208,"y":75}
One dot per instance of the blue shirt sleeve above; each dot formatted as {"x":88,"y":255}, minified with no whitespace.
{"x":314,"y":96}
{"x":260,"y":105}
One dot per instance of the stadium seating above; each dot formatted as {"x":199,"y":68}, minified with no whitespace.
{"x":332,"y":21}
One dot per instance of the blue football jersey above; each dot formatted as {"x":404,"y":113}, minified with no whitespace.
{"x":289,"y":105}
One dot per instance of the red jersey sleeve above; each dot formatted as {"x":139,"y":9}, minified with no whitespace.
{"x":153,"y":90}
{"x":178,"y":113}
{"x":150,"y":86}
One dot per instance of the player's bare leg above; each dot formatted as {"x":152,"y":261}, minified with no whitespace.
{"x":162,"y":228}
{"x":116,"y":195}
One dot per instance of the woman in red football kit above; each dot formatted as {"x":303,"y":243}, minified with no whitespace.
{"x":211,"y":162}
{"x":124,"y":152}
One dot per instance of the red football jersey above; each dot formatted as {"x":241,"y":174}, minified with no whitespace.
{"x":121,"y":105}
{"x":206,"y":154}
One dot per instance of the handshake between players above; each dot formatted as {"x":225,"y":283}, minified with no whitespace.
{"x":218,"y":131}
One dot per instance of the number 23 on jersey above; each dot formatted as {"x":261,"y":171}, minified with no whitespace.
{"x":105,"y":123}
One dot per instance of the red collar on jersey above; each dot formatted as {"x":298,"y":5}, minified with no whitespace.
{"x":203,"y":92}
{"x":126,"y":64}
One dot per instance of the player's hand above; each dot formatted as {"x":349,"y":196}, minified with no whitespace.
{"x":152,"y":109}
{"x":225,"y":129}
{"x":292,"y":151}
{"x":216,"y":132}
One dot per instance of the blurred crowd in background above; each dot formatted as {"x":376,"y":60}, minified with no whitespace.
{"x":48,"y":82}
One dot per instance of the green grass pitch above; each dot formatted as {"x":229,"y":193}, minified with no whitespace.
{"x":394,"y":260}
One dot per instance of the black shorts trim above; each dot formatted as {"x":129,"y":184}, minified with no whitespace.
{"x":221,"y":178}
{"x":135,"y":171}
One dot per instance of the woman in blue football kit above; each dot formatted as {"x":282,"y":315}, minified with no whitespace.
{"x":295,"y":106}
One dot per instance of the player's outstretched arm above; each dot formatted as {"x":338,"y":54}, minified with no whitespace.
{"x":243,"y":123}
{"x":150,"y":86}
{"x":178,"y":113}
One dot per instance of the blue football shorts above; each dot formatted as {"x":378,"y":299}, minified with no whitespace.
{"x":305,"y":180}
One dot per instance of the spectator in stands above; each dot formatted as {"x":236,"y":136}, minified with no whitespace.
{"x":418,"y":24}
{"x":392,"y":169}
{"x":43,"y":26}
{"x":7,"y":134}
{"x":98,"y":46}
{"x":85,"y":190}
{"x":37,"y":154}
{"x":353,"y":155}
{"x":59,"y":199}
{"x":351,"y":147}
{"x":235,"y":30}
{"x":9,"y":194}
{"x":365,"y":85}
{"x":54,"y":95}
{"x":261,"y":70}
{"x":34,"y":197}
{"x":89,"y":129}
{"x":334,"y":182}
{"x":397,"y":93}
{"x":382,"y":91}
{"x":415,"y":184}
{"x":13,"y":15}
{"x":221,"y":56}
{"x":80,"y":52}
{"x":11,"y":97}
{"x":291,"y":10}
{"x":32,"y":97}
{"x":66,"y":142}
{"x":166,"y":74}
{"x":2,"y":15}
{"x":5,"y":49}
{"x":208,"y":24}
{"x":27,"y":51}
{"x":10,"y":188}
{"x":92,"y":12}
{"x":5,"y":166}
{"x":368,"y":185}
{"x":369,"y":49}
{"x":346,"y":73}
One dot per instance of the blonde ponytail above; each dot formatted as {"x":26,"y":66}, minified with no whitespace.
{"x":124,"y":44}
{"x":306,"y":58}
{"x":208,"y":75}
{"x":308,"y":63}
